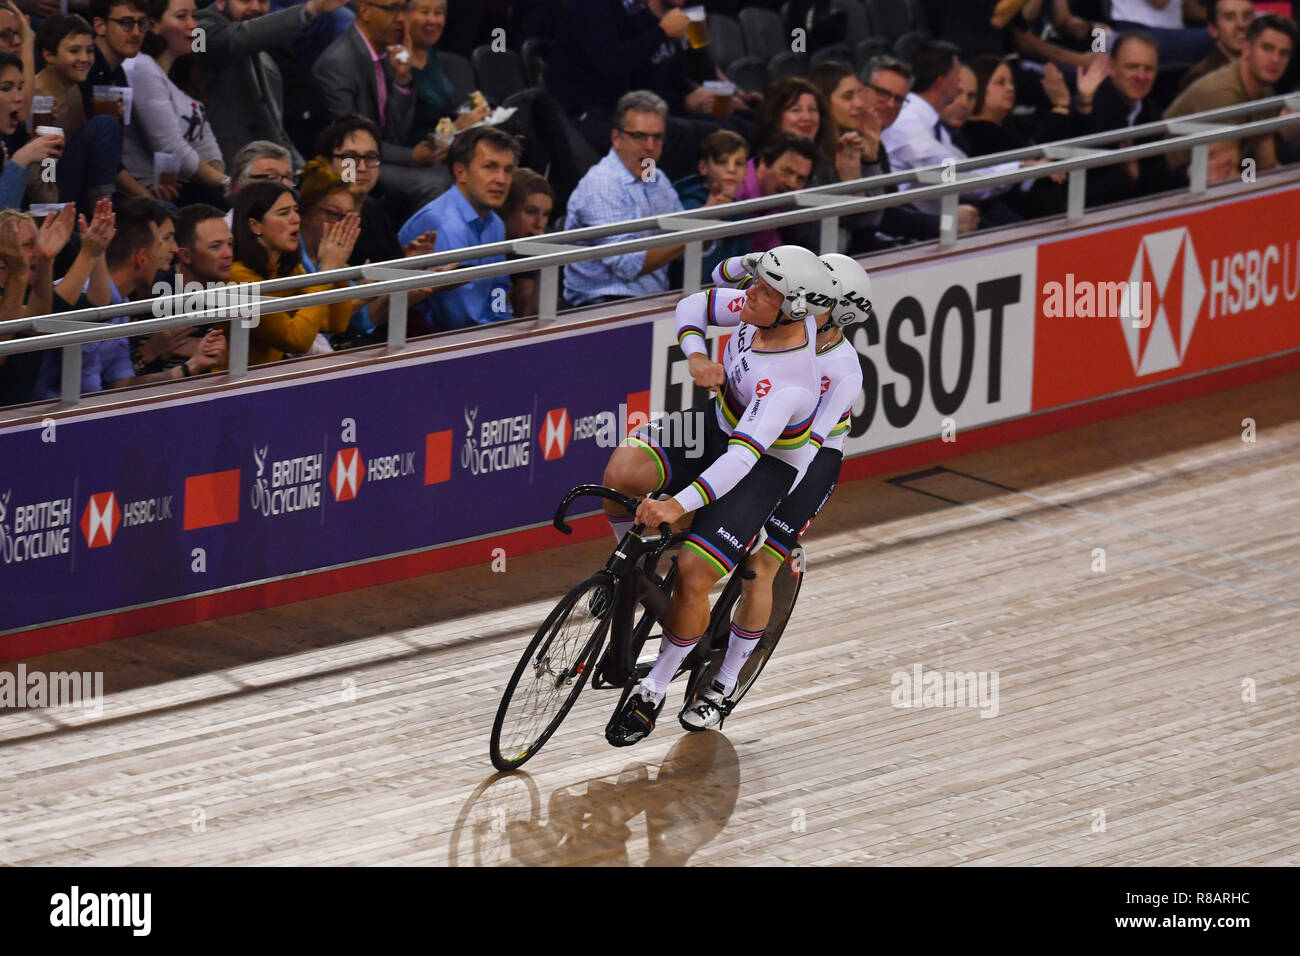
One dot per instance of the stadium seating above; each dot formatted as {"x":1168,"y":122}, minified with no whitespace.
{"x":787,"y":64}
{"x":749,"y":73}
{"x":839,"y":52}
{"x":461,"y":73}
{"x":764,"y":33}
{"x":500,"y":74}
{"x":857,"y":28}
{"x":890,"y":18}
{"x":726,"y":41}
{"x":873,"y":46}
{"x":534,"y":53}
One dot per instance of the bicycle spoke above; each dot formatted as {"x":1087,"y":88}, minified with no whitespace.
{"x":549,"y":678}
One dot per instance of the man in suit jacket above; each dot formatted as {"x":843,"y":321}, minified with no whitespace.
{"x":1120,"y":101}
{"x":886,"y":82}
{"x":245,"y":97}
{"x":358,"y":75}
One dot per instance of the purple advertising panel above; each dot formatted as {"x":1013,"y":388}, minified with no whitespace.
{"x":153,"y":503}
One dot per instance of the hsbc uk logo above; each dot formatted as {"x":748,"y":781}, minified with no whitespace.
{"x":555,"y":434}
{"x":103,"y":515}
{"x":100,"y":519}
{"x":345,"y":474}
{"x":1166,"y":264}
{"x":350,"y":469}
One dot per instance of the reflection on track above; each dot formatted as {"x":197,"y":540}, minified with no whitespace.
{"x":687,"y":802}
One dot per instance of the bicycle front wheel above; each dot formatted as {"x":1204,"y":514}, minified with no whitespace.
{"x":552,"y":672}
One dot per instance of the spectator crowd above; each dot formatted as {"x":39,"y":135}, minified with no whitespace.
{"x":151,"y":144}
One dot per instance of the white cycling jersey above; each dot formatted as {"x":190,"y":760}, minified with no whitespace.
{"x":837,"y":368}
{"x":766,"y":403}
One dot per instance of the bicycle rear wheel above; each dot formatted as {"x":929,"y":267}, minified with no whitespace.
{"x":785,"y":593}
{"x":552,"y":672}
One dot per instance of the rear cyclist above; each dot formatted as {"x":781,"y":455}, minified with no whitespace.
{"x":840,"y":377}
{"x":756,"y":447}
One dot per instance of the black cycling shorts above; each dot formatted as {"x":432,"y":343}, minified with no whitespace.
{"x":795,"y":513}
{"x":722,"y":530}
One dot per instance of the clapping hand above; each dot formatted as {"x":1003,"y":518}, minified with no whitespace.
{"x":422,"y":244}
{"x":211,"y":352}
{"x":11,"y":253}
{"x":1088,"y":80}
{"x":96,"y":236}
{"x":55,"y":231}
{"x":1055,"y":88}
{"x":337,"y":242}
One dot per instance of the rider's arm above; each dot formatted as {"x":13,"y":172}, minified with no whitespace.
{"x":832,"y":420}
{"x":729,"y":273}
{"x":766,"y":422}
{"x":696,"y":313}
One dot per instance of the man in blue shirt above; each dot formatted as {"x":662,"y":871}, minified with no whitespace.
{"x":625,"y":184}
{"x":482,"y":161}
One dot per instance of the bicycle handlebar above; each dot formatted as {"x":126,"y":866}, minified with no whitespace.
{"x":583,"y":491}
{"x":600,"y":491}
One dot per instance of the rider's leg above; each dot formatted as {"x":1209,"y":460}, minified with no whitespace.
{"x":635,"y":471}
{"x":686,"y":621}
{"x":751,"y":617}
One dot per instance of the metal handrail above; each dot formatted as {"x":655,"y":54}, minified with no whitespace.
{"x":553,"y":250}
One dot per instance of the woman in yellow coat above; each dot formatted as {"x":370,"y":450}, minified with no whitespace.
{"x":266,"y":225}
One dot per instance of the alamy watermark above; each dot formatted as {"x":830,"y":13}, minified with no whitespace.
{"x":1098,"y":300}
{"x":922,"y":688}
{"x":219,"y":300}
{"x":53,"y":690}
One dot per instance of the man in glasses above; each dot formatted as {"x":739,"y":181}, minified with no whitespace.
{"x":886,"y":82}
{"x":626,"y":184}
{"x":120,"y":26}
{"x":360,"y":74}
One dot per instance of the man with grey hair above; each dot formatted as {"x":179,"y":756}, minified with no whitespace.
{"x":626,"y":184}
{"x":261,"y":161}
{"x":887,"y":82}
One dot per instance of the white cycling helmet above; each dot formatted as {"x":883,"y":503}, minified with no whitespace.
{"x":805,"y":284}
{"x":854,"y":303}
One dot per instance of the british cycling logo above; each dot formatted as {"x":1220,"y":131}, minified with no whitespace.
{"x":294,"y":484}
{"x":498,"y":444}
{"x":39,"y":530}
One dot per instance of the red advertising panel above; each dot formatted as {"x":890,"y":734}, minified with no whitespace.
{"x":1142,"y":304}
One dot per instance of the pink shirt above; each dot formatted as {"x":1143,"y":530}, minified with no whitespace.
{"x":381,"y":85}
{"x":764,"y":239}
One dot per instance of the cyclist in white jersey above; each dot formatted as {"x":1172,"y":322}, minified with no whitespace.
{"x":840,"y":375}
{"x":756,"y":446}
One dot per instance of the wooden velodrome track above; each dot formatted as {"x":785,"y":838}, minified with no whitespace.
{"x":353,"y":729}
